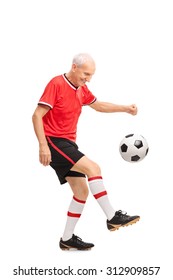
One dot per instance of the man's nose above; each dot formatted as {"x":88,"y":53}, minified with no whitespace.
{"x":88,"y":79}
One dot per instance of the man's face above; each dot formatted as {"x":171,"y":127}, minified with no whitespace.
{"x":84,"y":73}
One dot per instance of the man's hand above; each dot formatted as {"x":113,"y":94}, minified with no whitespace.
{"x":132,"y":109}
{"x":44,"y":154}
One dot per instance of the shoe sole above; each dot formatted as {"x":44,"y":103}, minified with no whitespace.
{"x":113,"y":227}
{"x":67,"y":248}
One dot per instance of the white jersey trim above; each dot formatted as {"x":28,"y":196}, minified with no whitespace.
{"x":73,"y":87}
{"x":44,"y":103}
{"x":90,"y":102}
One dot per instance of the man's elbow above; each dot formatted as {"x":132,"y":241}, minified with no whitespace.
{"x":34,"y":117}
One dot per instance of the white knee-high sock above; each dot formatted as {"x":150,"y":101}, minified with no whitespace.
{"x":98,"y":190}
{"x":73,"y":215}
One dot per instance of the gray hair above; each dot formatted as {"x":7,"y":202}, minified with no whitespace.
{"x":82,"y":58}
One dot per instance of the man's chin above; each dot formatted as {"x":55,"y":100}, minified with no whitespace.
{"x":83,"y":83}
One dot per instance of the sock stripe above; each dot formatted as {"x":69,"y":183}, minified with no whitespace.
{"x":94,"y":178}
{"x":78,"y":200}
{"x":73,"y":215}
{"x":98,"y":195}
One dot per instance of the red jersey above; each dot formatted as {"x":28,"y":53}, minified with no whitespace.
{"x":65,"y":101}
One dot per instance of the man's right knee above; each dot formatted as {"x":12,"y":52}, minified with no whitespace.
{"x":93,"y":170}
{"x":87,"y":166}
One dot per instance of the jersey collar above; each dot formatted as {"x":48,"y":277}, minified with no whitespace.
{"x":69,"y":83}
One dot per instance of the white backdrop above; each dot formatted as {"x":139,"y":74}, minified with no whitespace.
{"x":132,"y":43}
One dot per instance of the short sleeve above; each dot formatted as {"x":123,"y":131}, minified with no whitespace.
{"x":50,"y":95}
{"x":88,"y":97}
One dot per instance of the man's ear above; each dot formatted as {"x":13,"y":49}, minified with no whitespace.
{"x":74,"y":66}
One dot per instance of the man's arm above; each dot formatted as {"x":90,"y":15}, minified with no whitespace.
{"x":44,"y":151}
{"x":106,"y":107}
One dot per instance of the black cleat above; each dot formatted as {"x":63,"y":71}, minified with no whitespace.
{"x":121,"y":219}
{"x":75,"y":243}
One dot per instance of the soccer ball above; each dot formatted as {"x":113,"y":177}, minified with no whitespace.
{"x":133,"y":148}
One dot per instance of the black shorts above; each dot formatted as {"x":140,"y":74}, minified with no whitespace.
{"x":64,"y":155}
